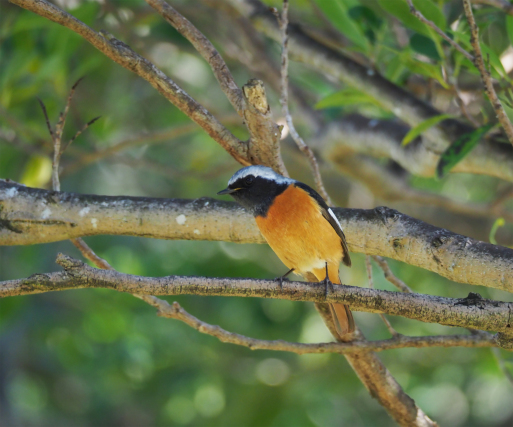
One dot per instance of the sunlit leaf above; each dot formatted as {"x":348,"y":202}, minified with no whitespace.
{"x":37,"y":172}
{"x":422,"y":127}
{"x":459,"y":149}
{"x":499,"y":222}
{"x":509,"y":27}
{"x":424,"y":68}
{"x":346,"y":97}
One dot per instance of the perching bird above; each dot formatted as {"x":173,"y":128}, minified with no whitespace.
{"x":298,"y":225}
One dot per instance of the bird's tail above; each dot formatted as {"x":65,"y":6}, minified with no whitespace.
{"x":342,"y":316}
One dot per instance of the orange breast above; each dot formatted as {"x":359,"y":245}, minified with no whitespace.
{"x":301,"y":237}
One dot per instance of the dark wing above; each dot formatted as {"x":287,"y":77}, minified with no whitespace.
{"x":325,"y":210}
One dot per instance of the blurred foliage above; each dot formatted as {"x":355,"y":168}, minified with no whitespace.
{"x":100,"y":358}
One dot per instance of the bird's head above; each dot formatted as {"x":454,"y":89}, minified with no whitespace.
{"x":255,"y":188}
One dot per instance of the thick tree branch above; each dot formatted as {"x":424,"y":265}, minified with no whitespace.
{"x":471,"y":312}
{"x":382,"y":139}
{"x":390,"y":186}
{"x":29,"y":216}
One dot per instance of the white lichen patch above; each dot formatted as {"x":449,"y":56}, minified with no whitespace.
{"x":84,"y":211}
{"x":94,"y":222}
{"x":11,"y":192}
{"x":196,"y":231}
{"x":180,"y":219}
{"x":46,"y":213}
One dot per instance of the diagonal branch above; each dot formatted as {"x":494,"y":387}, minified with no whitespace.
{"x":485,"y":74}
{"x":431,"y":24}
{"x":206,"y":49}
{"x":487,"y":158}
{"x":284,"y":100}
{"x":175,"y":311}
{"x":126,"y":57}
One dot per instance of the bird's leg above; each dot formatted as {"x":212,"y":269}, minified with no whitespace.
{"x":284,"y":277}
{"x":327,"y":283}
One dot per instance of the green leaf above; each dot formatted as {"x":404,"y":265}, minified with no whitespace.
{"x":337,"y":13}
{"x":509,"y":27}
{"x":425,"y":46}
{"x":459,"y":149}
{"x":348,"y":96}
{"x":423,"y":68}
{"x":363,"y":13}
{"x":422,"y":127}
{"x":401,"y":10}
{"x":37,"y":172}
{"x":499,"y":222}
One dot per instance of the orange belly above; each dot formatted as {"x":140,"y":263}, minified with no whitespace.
{"x":301,"y":237}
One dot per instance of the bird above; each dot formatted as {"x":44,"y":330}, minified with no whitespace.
{"x":299,"y":227}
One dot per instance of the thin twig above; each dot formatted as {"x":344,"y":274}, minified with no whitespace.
{"x":284,"y":100}
{"x":431,"y":24}
{"x":175,"y":311}
{"x":59,"y":128}
{"x":79,"y":132}
{"x":368,"y":265}
{"x":206,"y":49}
{"x":43,"y":107}
{"x":56,"y":185}
{"x":485,"y":74}
{"x":89,"y":254}
{"x":57,"y":139}
{"x":398,"y":283}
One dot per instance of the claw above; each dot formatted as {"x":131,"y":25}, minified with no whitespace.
{"x":327,"y":283}
{"x":282,"y":278}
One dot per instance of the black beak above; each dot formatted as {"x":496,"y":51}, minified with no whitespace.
{"x":228,"y":191}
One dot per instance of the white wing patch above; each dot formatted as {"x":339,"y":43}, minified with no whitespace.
{"x":335,"y":218}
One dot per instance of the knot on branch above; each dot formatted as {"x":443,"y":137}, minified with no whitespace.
{"x":386,"y":214}
{"x":472,"y":299}
{"x":69,"y":264}
{"x":265,"y":134}
{"x":504,"y":340}
{"x":254,"y":93}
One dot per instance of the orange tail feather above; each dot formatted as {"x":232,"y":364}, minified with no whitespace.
{"x":342,"y":316}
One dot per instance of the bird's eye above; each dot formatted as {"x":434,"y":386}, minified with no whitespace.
{"x":249,"y":180}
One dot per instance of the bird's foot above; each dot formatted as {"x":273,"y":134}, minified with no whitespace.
{"x":283,"y":278}
{"x":328,"y":285}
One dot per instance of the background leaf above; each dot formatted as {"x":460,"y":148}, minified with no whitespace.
{"x":400,"y":9}
{"x":459,"y":149}
{"x":423,"y":126}
{"x":337,"y":11}
{"x":345,"y":97}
